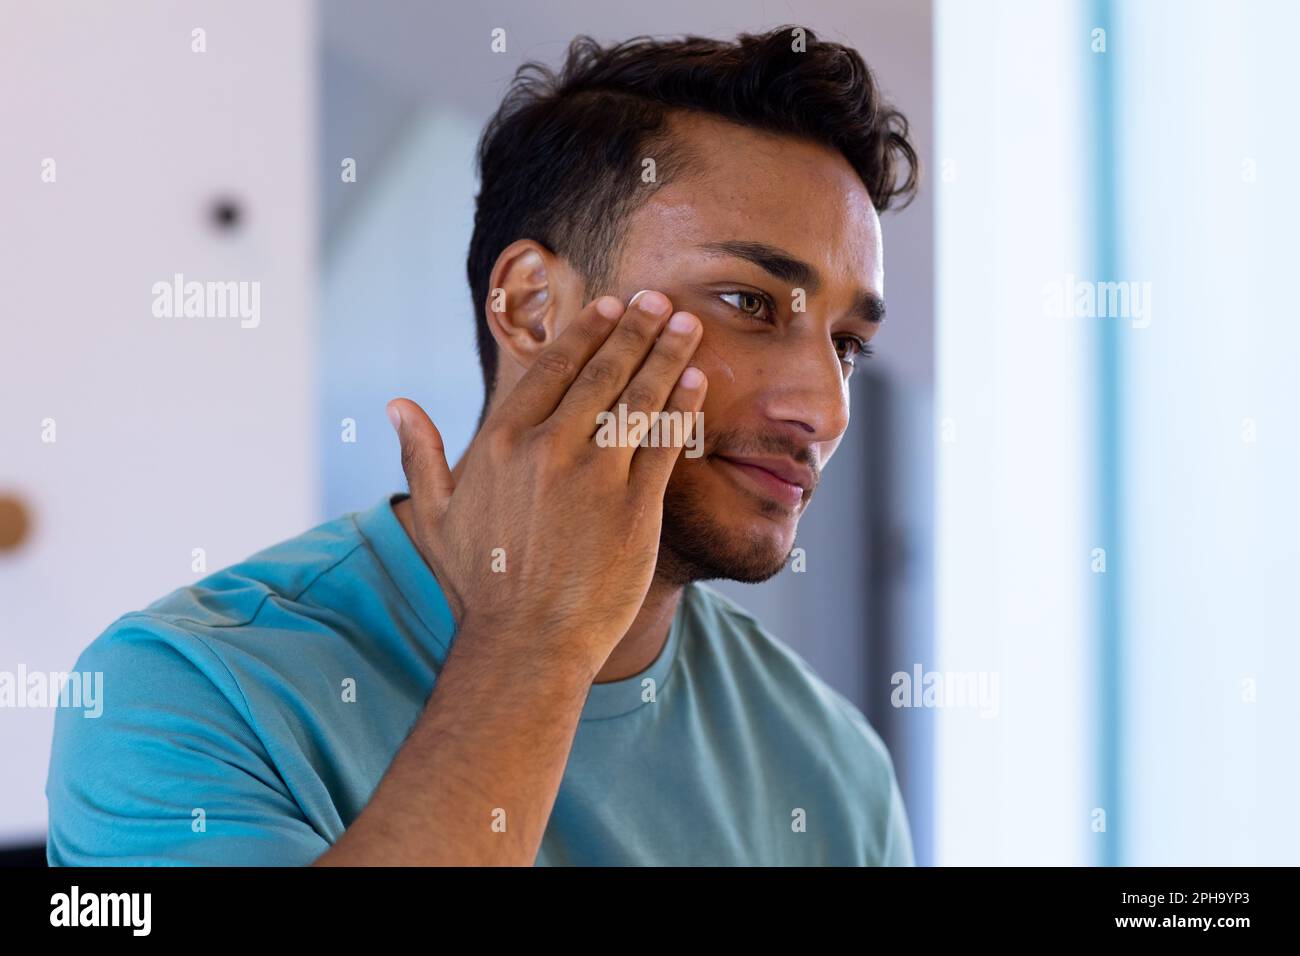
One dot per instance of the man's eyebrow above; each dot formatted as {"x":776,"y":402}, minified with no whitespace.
{"x":868,"y":306}
{"x":778,"y":262}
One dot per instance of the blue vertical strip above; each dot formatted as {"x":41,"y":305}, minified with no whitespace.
{"x":1108,"y":436}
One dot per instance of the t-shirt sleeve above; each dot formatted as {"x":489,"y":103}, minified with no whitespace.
{"x":892,"y":845}
{"x":898,"y":840}
{"x":170,"y":772}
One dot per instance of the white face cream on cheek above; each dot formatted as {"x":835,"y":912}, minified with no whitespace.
{"x":722,"y":363}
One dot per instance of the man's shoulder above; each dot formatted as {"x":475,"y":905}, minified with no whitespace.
{"x":285,"y":571}
{"x":794,"y":684}
{"x":232,"y":610}
{"x":193,"y":693}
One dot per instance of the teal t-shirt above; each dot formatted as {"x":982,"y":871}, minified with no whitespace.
{"x":247,"y":720}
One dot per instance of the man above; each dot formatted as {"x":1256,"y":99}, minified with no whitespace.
{"x":516,"y":663}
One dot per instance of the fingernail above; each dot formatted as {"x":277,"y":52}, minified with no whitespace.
{"x":656,"y":303}
{"x":682,"y":322}
{"x":395,"y":417}
{"x":692,"y":377}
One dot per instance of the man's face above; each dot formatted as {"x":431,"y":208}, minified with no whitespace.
{"x":770,"y":225}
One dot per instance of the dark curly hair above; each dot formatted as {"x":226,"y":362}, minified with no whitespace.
{"x":559,"y":162}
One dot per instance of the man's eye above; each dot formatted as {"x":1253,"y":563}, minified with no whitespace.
{"x":850,"y":348}
{"x":750,"y":303}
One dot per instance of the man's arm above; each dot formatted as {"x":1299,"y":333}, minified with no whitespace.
{"x":476,"y":779}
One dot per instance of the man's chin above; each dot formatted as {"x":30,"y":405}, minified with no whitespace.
{"x":695,"y":546}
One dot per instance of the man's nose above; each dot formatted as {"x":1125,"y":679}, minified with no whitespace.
{"x":808,"y":396}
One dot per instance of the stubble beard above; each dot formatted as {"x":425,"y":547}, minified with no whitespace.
{"x":694,"y":545}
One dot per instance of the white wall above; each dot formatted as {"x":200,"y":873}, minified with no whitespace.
{"x":171,"y":433}
{"x":1011,"y":431}
{"x":1210,"y":198}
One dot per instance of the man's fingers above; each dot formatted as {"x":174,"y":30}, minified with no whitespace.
{"x":424,"y":459}
{"x":537,"y":394}
{"x":651,"y":465}
{"x":650,"y":387}
{"x":599,"y":384}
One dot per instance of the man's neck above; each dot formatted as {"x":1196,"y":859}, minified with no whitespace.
{"x":645,"y":639}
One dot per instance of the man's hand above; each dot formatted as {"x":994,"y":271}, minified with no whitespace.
{"x":578,"y":523}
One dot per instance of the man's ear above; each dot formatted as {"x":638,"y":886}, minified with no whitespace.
{"x":530,"y":289}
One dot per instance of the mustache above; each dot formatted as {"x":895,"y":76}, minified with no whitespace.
{"x":742,"y":444}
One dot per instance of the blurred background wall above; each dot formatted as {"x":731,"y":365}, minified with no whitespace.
{"x":1116,"y":530}
{"x":140,"y":451}
{"x":1091,"y":513}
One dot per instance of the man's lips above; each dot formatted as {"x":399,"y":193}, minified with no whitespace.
{"x":779,"y":478}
